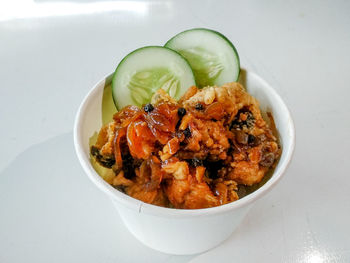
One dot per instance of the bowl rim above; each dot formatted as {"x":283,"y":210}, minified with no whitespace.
{"x":142,"y":207}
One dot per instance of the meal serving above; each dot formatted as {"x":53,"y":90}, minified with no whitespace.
{"x":187,"y":134}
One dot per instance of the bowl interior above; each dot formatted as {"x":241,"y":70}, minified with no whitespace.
{"x":98,"y":108}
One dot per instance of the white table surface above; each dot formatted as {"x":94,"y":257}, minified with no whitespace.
{"x":53,"y":52}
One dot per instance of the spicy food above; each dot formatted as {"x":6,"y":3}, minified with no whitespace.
{"x":191,"y":153}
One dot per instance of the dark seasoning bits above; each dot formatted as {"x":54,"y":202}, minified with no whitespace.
{"x":105,"y":161}
{"x":239,"y":123}
{"x":181,"y":112}
{"x":252,"y":140}
{"x":195,"y":162}
{"x":199,"y":106}
{"x":187,"y":132}
{"x":148,"y":107}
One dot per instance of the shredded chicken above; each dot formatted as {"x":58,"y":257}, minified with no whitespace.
{"x":189,"y":154}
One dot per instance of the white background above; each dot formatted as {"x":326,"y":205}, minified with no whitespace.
{"x":53,"y":52}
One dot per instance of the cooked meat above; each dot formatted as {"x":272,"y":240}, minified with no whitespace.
{"x":189,"y":154}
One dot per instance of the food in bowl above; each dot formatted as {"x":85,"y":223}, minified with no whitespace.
{"x":148,"y":222}
{"x":145,"y":221}
{"x":191,"y":153}
{"x":187,"y":134}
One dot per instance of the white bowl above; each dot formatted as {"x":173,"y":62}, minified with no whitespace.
{"x":177,"y":231}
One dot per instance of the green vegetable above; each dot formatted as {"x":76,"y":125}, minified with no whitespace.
{"x":213,"y":58}
{"x":142,"y":72}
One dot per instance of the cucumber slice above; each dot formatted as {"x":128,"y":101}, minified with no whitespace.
{"x":147,"y":69}
{"x":213,"y":58}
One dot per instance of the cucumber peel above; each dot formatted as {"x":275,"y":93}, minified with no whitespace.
{"x":213,"y":58}
{"x":142,"y":72}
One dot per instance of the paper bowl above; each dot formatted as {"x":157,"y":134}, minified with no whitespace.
{"x":180,"y":231}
